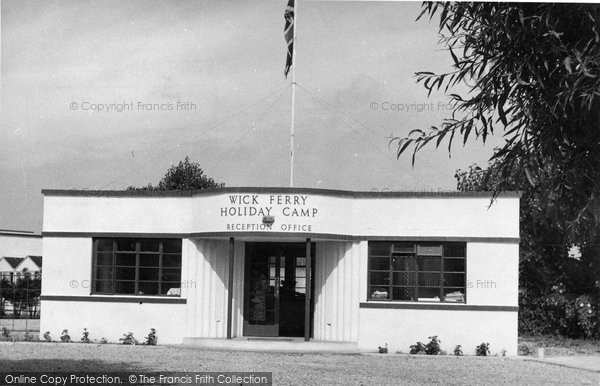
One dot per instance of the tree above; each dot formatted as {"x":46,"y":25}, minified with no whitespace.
{"x":553,"y":286}
{"x":532,"y":70}
{"x":184,"y":176}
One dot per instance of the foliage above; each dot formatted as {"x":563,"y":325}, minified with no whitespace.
{"x":482,"y":350}
{"x":549,"y":280}
{"x":6,"y":334}
{"x":418,"y":348}
{"x":433,"y":347}
{"x":47,"y":336}
{"x":185,"y":176}
{"x":103,"y":340}
{"x":128,"y":339}
{"x":86,"y":336}
{"x":65,"y":337}
{"x":151,"y":339}
{"x":458,"y":350}
{"x":532,"y":70}
{"x":28,"y":337}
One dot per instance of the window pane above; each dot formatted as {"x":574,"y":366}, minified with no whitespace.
{"x":126,"y":245}
{"x":379,"y":249}
{"x":149,"y":245}
{"x":429,"y":280}
{"x":429,"y":263}
{"x":125,"y":259}
{"x":403,"y":263}
{"x":104,"y":258}
{"x":149,"y":259}
{"x":455,"y":250}
{"x":103,"y":286}
{"x":171,"y":274}
{"x":147,"y":288}
{"x":403,"y":248}
{"x":379,"y":263}
{"x":171,"y":260}
{"x":172,"y":246}
{"x":300,"y":272}
{"x":148,"y":274}
{"x":404,"y":278}
{"x":124,"y":273}
{"x":454,"y":294}
{"x":429,"y":250}
{"x":429,"y":294}
{"x":301,"y":262}
{"x":104,"y":273}
{"x":104,"y":245}
{"x":454,"y":279}
{"x":380,"y":278}
{"x":125,"y":287}
{"x":379,"y":293}
{"x":403,"y":293}
{"x":454,"y":265}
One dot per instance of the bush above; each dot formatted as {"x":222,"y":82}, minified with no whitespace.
{"x":65,"y":337}
{"x":86,"y":336}
{"x":482,"y":350}
{"x":128,"y":339}
{"x":458,"y":350}
{"x":433,"y":347}
{"x":418,"y":348}
{"x":152,"y":339}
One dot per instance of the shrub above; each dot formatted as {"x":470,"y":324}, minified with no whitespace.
{"x":65,"y":337}
{"x":128,"y":339}
{"x":152,"y":339}
{"x":458,"y":350}
{"x":6,"y":334}
{"x":418,"y":348}
{"x":86,"y":336}
{"x":28,"y":336}
{"x":47,"y":336}
{"x":433,"y":347}
{"x":482,"y":350}
{"x":103,"y":340}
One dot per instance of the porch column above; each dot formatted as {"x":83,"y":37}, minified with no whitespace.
{"x":308,"y":293}
{"x":230,"y":287}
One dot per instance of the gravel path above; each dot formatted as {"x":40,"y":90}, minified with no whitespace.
{"x":296,"y":369}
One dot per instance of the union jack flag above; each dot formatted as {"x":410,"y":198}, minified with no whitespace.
{"x":288,"y":33}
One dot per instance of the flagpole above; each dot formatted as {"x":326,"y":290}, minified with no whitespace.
{"x":293,"y":96}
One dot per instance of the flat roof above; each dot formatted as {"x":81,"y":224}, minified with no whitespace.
{"x":8,"y":232}
{"x":268,"y":190}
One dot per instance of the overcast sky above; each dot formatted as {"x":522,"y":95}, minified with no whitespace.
{"x":224,"y":61}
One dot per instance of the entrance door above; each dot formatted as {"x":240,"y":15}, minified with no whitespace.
{"x":275,"y":289}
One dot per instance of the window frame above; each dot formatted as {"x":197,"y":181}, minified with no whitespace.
{"x":414,"y":261}
{"x":136,"y":279}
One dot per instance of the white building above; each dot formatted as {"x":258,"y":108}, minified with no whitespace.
{"x":336,"y":266}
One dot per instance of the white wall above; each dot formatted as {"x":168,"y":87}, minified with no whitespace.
{"x":20,"y":246}
{"x":67,"y":266}
{"x":112,"y":320}
{"x":402,"y":328}
{"x":336,"y":297}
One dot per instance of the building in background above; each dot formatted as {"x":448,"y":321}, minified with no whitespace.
{"x":360,"y":268}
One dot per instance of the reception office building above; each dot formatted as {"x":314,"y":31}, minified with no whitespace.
{"x":363,"y":268}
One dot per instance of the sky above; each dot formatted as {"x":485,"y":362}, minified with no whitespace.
{"x":108,"y":94}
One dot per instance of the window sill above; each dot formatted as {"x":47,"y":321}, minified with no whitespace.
{"x":439,"y":306}
{"x":117,"y":299}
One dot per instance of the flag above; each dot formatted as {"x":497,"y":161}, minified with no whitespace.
{"x":288,"y":33}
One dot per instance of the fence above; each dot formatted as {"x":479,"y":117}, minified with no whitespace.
{"x":20,"y":295}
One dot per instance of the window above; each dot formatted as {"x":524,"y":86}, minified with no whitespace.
{"x":423,"y":271}
{"x":137,"y":266}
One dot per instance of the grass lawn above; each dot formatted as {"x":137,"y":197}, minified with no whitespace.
{"x":305,"y":369}
{"x":558,"y":346}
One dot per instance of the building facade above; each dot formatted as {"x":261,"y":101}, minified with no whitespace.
{"x":366,"y":268}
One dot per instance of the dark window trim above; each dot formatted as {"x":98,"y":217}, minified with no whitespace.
{"x":415,"y":286}
{"x":117,"y":299}
{"x":439,"y":306}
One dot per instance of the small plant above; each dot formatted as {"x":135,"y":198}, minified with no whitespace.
{"x":128,"y":339}
{"x":458,"y":350}
{"x":482,"y":350}
{"x":28,"y":336}
{"x":86,"y":336}
{"x":65,"y":337}
{"x":433,"y":347}
{"x":47,"y":336}
{"x":419,"y":349}
{"x":103,"y":340}
{"x":152,"y":339}
{"x":503,"y":353}
{"x":6,"y":334}
{"x":383,"y":350}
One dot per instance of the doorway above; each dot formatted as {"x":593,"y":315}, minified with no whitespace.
{"x":275,"y":289}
